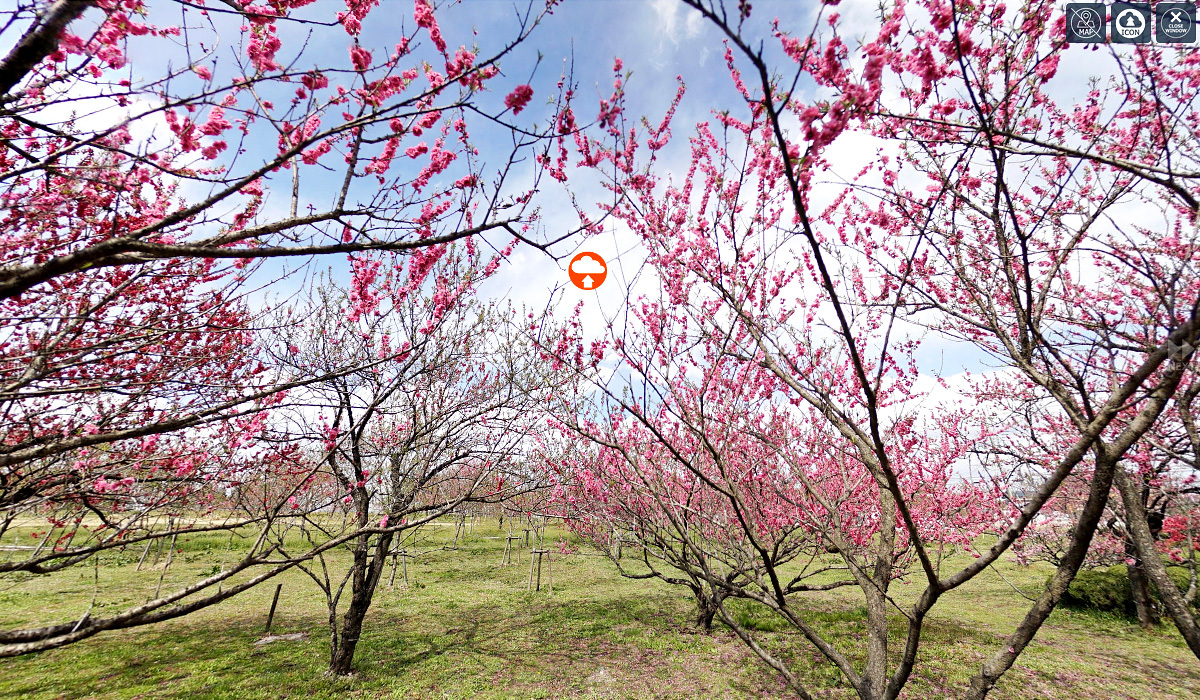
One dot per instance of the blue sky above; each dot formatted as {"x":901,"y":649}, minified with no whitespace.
{"x":658,"y":41}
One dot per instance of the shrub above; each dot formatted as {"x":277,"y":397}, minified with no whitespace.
{"x":1100,"y":589}
{"x":1108,"y":589}
{"x":1181,"y":577}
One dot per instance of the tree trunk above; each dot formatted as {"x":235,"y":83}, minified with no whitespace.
{"x":705,"y":615}
{"x":873,"y":683}
{"x":1139,"y":531}
{"x":1081,"y":539}
{"x":1139,"y":587}
{"x":341,"y":659}
{"x":706,"y":607}
{"x":874,"y":677}
{"x":367,"y":568}
{"x":1139,"y":583}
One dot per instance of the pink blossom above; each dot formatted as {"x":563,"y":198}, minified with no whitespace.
{"x":518,"y":98}
{"x":423,"y":13}
{"x":360,"y":57}
{"x":314,"y":80}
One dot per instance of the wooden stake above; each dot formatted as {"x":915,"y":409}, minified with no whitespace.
{"x":274,"y":602}
{"x":157,"y":552}
{"x":539,"y":553}
{"x":508,"y":548}
{"x":45,"y":539}
{"x":459,"y":520}
{"x":144,"y":553}
{"x":170,"y":556}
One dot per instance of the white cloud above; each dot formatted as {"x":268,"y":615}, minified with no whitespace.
{"x":693,"y":24}
{"x":587,"y":265}
{"x":668,"y":26}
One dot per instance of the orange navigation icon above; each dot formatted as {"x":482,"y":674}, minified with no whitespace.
{"x":587,"y":270}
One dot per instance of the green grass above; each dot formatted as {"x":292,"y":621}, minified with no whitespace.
{"x":467,"y":628}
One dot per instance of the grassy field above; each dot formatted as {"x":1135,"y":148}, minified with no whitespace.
{"x":467,"y":628}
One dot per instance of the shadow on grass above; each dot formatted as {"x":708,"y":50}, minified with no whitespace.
{"x":534,"y":643}
{"x":468,"y":629}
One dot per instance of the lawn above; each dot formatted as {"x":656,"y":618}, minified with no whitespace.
{"x":466,"y":627}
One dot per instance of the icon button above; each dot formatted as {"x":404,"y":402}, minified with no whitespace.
{"x":1130,"y":23}
{"x":1175,"y":23}
{"x":1085,"y":22}
{"x":587,"y":270}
